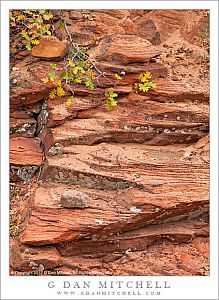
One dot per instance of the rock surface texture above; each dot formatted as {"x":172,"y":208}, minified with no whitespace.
{"x":124,"y":192}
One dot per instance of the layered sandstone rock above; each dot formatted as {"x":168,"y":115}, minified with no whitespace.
{"x":144,"y":166}
{"x":26,"y":88}
{"x":124,"y":49}
{"x":25,"y":151}
{"x":130,"y":187}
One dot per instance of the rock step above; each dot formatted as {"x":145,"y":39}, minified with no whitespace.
{"x":128,"y":107}
{"x":26,"y":157}
{"x":145,"y":185}
{"x":185,"y":259}
{"x":178,"y":91}
{"x":97,"y":256}
{"x":155,"y":124}
{"x":137,"y":240}
{"x":24,"y":258}
{"x":25,"y":151}
{"x":94,"y":131}
{"x":118,"y":166}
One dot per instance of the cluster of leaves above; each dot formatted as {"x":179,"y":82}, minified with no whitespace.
{"x":78,"y":69}
{"x":110,"y":99}
{"x":80,"y":72}
{"x":144,"y":84}
{"x":77,"y":72}
{"x":31,"y":25}
{"x":110,"y":94}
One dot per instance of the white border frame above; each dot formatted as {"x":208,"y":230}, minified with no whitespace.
{"x":20,"y":287}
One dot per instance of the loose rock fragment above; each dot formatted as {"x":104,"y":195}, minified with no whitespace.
{"x":50,"y":49}
{"x":75,"y":199}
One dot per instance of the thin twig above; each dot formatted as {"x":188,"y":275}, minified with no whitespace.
{"x":75,"y":46}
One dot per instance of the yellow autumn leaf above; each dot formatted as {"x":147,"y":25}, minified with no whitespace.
{"x":118,"y":77}
{"x":48,"y":16}
{"x":23,"y":32}
{"x":20,"y":17}
{"x":60,"y":91}
{"x":69,"y":101}
{"x":91,"y":74}
{"x":52,"y":94}
{"x":78,"y":80}
{"x":57,"y":83}
{"x":35,"y":42}
{"x":45,"y":80}
{"x":148,"y":75}
{"x":71,"y":63}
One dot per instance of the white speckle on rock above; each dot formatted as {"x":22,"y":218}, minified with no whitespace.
{"x":15,"y":69}
{"x":99,"y":221}
{"x":94,"y":238}
{"x":187,"y":154}
{"x":32,"y":264}
{"x":166,"y":130}
{"x":150,"y":128}
{"x":127,"y":128}
{"x":41,"y":268}
{"x":178,"y":118}
{"x":135,"y":209}
{"x":157,"y":209}
{"x":128,"y":251}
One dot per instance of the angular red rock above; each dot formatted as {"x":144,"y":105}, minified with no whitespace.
{"x":25,"y":151}
{"x":124,"y":49}
{"x":51,"y":49}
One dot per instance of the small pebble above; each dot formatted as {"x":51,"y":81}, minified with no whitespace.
{"x":75,"y":199}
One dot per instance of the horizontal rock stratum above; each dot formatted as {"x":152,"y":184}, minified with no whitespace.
{"x":160,"y":183}
{"x":124,"y":49}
